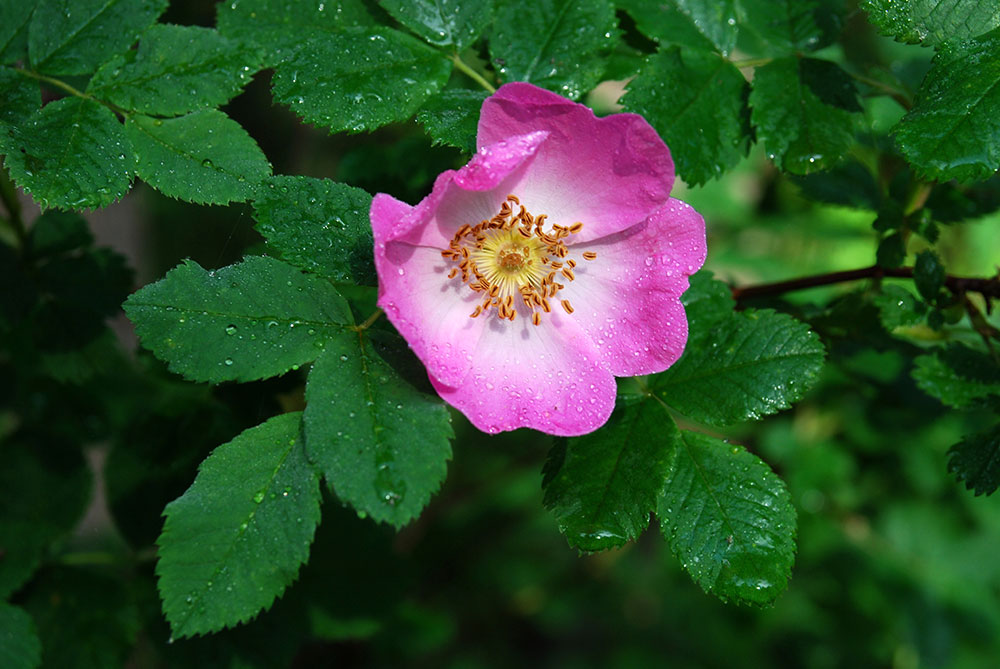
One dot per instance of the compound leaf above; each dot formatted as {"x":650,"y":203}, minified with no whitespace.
{"x":452,"y":118}
{"x":729,"y":519}
{"x":457,"y":26}
{"x":360,"y":79}
{"x":71,"y":154}
{"x":318,"y":225}
{"x":204,"y":157}
{"x":698,"y":24}
{"x":603,"y":486}
{"x":175,"y":70}
{"x":750,"y":364}
{"x":932,"y":21}
{"x":382,"y":445}
{"x":252,"y":320}
{"x":75,"y":36}
{"x":235,"y":540}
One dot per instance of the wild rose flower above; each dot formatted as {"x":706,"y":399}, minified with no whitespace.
{"x":551,"y":263}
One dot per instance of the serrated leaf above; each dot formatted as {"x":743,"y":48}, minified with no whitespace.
{"x":19,"y":644}
{"x":898,"y":307}
{"x":21,"y":98}
{"x":928,"y":275}
{"x":753,"y":363}
{"x":699,"y":24}
{"x":318,"y":225}
{"x":458,"y":25}
{"x":452,"y":118}
{"x":780,"y":27}
{"x":696,"y":100}
{"x":729,"y":520}
{"x":71,"y":154}
{"x":953,"y":129}
{"x":75,"y":36}
{"x":382,"y":446}
{"x":801,"y":131}
{"x":204,"y":157}
{"x":958,"y":376}
{"x":56,"y":232}
{"x":175,"y":70}
{"x":555,"y":44}
{"x":235,"y":540}
{"x":360,"y":79}
{"x":976,"y":461}
{"x":14,"y":19}
{"x":932,"y":21}
{"x":252,"y":320}
{"x":706,"y":302}
{"x":603,"y":486}
{"x":280,"y":27}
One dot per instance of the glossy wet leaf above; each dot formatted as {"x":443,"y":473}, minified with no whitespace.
{"x":976,"y":461}
{"x":235,"y":539}
{"x":452,"y":117}
{"x":455,"y":24}
{"x":696,"y":100}
{"x":932,"y":21}
{"x":781,"y":27}
{"x":602,"y":487}
{"x":19,"y":644}
{"x":204,"y":157}
{"x":706,"y":302}
{"x":729,"y":520}
{"x":72,"y":154}
{"x":898,"y":307}
{"x":75,"y":36}
{"x":247,"y":321}
{"x":958,"y":376}
{"x":318,"y":225}
{"x":750,"y":364}
{"x":699,"y":24}
{"x":175,"y":70}
{"x":21,"y":98}
{"x":555,"y":44}
{"x":804,"y":125}
{"x":360,"y":79}
{"x":280,"y":27}
{"x":953,"y":129}
{"x":15,"y":16}
{"x":382,"y":446}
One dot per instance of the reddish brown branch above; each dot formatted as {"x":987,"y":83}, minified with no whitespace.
{"x":988,"y":288}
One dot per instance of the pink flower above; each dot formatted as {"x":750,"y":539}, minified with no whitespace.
{"x":551,"y":263}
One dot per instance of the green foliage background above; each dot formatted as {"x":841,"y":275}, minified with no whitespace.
{"x":216,"y":497}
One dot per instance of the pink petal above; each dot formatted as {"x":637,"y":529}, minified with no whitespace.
{"x":547,"y":377}
{"x":628,"y":298}
{"x":608,"y":173}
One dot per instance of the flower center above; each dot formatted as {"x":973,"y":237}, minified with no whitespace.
{"x":514,"y":261}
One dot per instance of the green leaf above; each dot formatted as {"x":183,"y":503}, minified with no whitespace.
{"x":780,"y":27}
{"x":46,"y":488}
{"x":204,"y":157}
{"x":318,"y":225}
{"x":801,"y":130}
{"x":360,"y":79}
{"x":14,"y":17}
{"x":555,"y":44}
{"x":729,"y":519}
{"x":19,"y":644}
{"x":235,"y":540}
{"x":953,"y":129}
{"x":932,"y":21}
{"x":898,"y":307}
{"x":21,"y":98}
{"x":603,"y":486}
{"x":175,"y":70}
{"x":382,"y":446}
{"x":72,"y":154}
{"x":928,"y":275}
{"x":751,"y":364}
{"x":457,"y":26}
{"x":849,"y":185}
{"x":696,"y":100}
{"x":75,"y":36}
{"x":56,"y":232}
{"x":252,"y":320}
{"x":452,"y":118}
{"x":958,"y":376}
{"x":706,"y":302}
{"x":976,"y":460}
{"x":698,"y":24}
{"x":280,"y":27}
{"x":891,"y":251}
